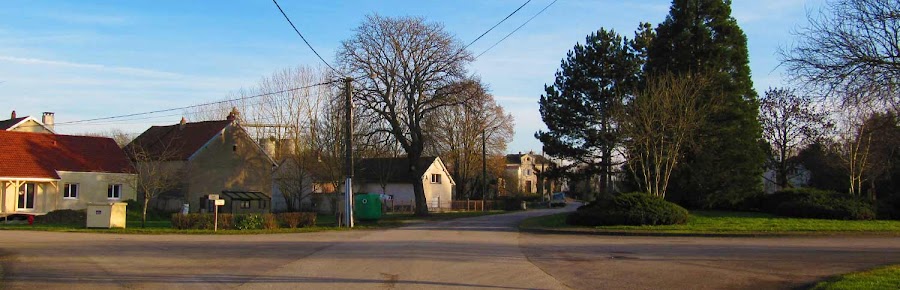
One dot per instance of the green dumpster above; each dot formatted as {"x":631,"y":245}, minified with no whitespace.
{"x":367,"y":206}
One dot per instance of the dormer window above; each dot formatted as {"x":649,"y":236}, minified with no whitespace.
{"x":527,"y":159}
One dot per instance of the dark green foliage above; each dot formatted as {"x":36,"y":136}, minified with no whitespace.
{"x":889,"y":209}
{"x":724,"y":168}
{"x":579,"y":108}
{"x":134,"y":212}
{"x":248,"y":222}
{"x":634,"y":208}
{"x":814,"y":203}
{"x":63,"y":217}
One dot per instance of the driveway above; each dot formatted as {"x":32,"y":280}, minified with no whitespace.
{"x":482,"y":252}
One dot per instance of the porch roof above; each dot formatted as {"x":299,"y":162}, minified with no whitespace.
{"x":245,"y":195}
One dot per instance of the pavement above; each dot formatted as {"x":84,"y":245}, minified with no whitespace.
{"x":481,"y":252}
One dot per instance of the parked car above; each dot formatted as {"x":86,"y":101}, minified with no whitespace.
{"x":558,"y":199}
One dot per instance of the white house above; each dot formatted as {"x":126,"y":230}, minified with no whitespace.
{"x":393,"y":178}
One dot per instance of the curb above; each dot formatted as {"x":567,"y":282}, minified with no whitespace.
{"x":591,"y":232}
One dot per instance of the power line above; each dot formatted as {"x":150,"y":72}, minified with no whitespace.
{"x":198,"y":105}
{"x":498,"y":24}
{"x":517,"y":29}
{"x":304,"y":38}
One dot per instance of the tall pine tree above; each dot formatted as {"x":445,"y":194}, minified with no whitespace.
{"x":700,"y":36}
{"x":579,"y":107}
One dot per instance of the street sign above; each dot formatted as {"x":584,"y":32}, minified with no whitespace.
{"x":220,"y":202}
{"x":213,"y":196}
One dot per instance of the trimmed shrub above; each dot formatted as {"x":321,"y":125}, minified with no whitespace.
{"x":269,"y":221}
{"x":197,"y":221}
{"x":63,"y":217}
{"x":248,"y":222}
{"x":634,"y":208}
{"x":295,"y":219}
{"x":819,"y":204}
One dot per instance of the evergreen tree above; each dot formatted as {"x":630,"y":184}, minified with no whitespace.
{"x":579,"y":107}
{"x":700,"y":36}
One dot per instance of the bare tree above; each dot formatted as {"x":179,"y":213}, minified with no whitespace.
{"x":405,"y":70}
{"x":157,"y":172}
{"x":853,"y":145}
{"x":456,"y":136}
{"x":117,"y":135}
{"x":789,"y":122}
{"x":850,"y":46}
{"x":659,"y":123}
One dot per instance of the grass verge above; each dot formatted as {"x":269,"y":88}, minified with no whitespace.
{"x":323,"y":223}
{"x":878,"y":278}
{"x":729,"y":223}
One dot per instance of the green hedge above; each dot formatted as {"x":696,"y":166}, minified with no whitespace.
{"x":820,"y":204}
{"x":244,"y":221}
{"x":634,"y":208}
{"x":63,"y":217}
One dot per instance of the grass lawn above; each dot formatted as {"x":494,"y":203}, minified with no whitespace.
{"x":158,"y":225}
{"x":722,"y":222}
{"x":879,"y":278}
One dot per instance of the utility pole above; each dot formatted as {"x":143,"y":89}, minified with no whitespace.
{"x":348,"y":158}
{"x":484,"y":181}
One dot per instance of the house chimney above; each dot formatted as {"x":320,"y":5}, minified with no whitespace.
{"x":13,"y":115}
{"x":233,"y":114}
{"x":47,"y":119}
{"x":182,"y":123}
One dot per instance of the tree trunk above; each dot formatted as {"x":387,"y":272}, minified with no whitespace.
{"x":418,"y":187}
{"x":144,"y":215}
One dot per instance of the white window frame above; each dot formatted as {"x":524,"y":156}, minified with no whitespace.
{"x":114,"y":191}
{"x":68,"y":192}
{"x":435,"y":178}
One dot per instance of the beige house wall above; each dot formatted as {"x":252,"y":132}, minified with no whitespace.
{"x":92,"y":187}
{"x":48,"y":196}
{"x":524,"y":172}
{"x":32,"y":126}
{"x":230,"y":161}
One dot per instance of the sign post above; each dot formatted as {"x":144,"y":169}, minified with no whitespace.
{"x":216,"y":203}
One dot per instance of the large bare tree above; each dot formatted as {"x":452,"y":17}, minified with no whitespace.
{"x":850,"y":46}
{"x":457,"y":136}
{"x":660,"y":122}
{"x":404,"y":69}
{"x":789,"y":122}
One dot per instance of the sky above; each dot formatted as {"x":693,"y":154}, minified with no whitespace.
{"x":93,"y":59}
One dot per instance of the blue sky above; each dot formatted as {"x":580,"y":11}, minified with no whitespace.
{"x":89,"y":59}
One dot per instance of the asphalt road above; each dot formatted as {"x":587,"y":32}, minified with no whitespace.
{"x":482,"y":252}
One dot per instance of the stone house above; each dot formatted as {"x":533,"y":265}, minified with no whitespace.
{"x":211,"y":157}
{"x":522,"y":173}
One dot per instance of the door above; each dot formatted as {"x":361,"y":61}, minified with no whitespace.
{"x":26,"y":197}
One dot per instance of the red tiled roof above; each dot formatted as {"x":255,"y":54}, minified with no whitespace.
{"x":175,"y":142}
{"x":35,"y":155}
{"x":6,"y":124}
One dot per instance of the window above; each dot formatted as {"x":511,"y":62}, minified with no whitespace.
{"x":526,"y":159}
{"x":262,"y":204}
{"x":528,"y":187}
{"x":435,"y":178}
{"x":245,"y":204}
{"x":70,"y":191}
{"x":114,"y":191}
{"x":527,"y":172}
{"x":26,"y":197}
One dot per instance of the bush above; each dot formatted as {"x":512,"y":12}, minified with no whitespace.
{"x":269,"y":221}
{"x":63,"y":217}
{"x":295,"y":219}
{"x":197,"y":221}
{"x":819,"y":204}
{"x":889,"y":208}
{"x":248,"y":222}
{"x":629,"y":209}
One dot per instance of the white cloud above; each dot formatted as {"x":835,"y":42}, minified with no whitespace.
{"x":99,"y":67}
